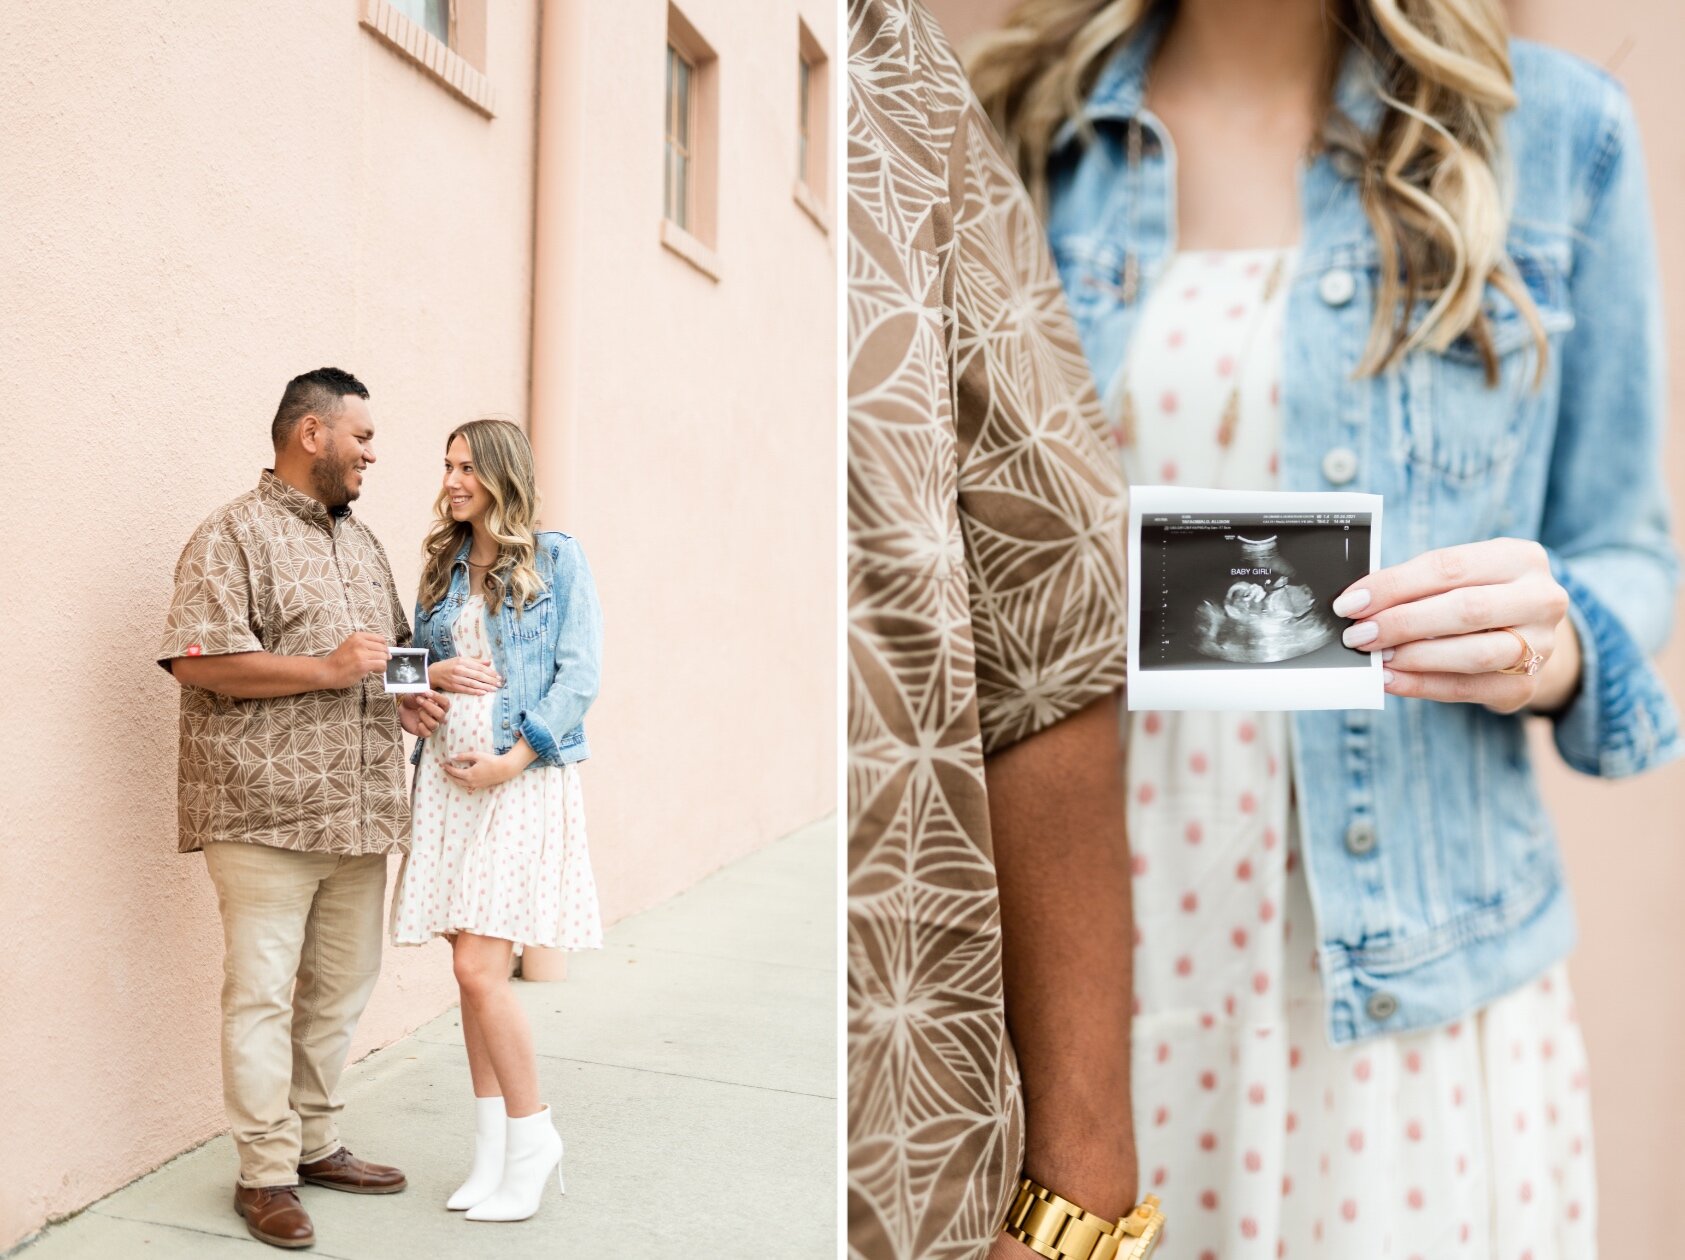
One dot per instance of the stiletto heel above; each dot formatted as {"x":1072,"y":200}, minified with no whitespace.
{"x":531,"y":1150}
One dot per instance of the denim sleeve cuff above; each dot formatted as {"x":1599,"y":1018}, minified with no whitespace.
{"x":1622,"y":721}
{"x":540,"y":740}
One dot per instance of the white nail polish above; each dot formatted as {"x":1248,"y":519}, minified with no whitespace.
{"x":1388,"y":654}
{"x":1350,"y":602}
{"x":1358,"y":635}
{"x":1386,"y":677}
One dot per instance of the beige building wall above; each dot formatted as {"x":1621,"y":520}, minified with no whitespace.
{"x":203,"y":199}
{"x":1625,"y":842}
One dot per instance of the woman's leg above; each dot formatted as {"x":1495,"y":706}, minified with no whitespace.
{"x":482,"y":974}
{"x":479,"y":1058}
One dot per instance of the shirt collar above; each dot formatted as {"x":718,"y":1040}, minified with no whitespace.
{"x":290,"y":499}
{"x":1118,"y":92}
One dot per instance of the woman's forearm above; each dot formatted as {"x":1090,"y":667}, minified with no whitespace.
{"x":1056,"y":813}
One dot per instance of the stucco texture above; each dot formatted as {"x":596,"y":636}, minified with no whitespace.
{"x":201,"y":200}
{"x":1624,"y":842}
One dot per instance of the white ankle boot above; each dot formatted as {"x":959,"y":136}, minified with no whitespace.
{"x":531,"y":1149}
{"x":491,"y":1125}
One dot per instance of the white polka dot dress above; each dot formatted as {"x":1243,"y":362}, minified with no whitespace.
{"x":509,"y":862}
{"x":1471,"y":1142}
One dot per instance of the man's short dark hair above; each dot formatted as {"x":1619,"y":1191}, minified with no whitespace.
{"x":315,"y":392}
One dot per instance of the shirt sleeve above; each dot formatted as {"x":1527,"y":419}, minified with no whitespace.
{"x":1041,"y":498}
{"x":211,"y":611}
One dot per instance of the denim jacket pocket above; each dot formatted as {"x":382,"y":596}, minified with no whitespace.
{"x":1457,"y":425}
{"x":526,"y":624}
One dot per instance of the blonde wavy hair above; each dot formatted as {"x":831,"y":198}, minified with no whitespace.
{"x":502,"y":459}
{"x":1429,"y":175}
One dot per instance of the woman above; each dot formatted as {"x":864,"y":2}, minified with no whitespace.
{"x":1370,"y":246}
{"x":498,"y":858}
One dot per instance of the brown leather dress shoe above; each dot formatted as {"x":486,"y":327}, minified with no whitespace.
{"x":274,"y":1215}
{"x":344,"y":1171}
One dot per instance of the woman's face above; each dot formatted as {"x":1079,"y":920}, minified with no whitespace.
{"x":468,"y":500}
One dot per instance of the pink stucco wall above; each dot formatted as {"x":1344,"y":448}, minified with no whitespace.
{"x":1625,"y":842}
{"x":203,"y":199}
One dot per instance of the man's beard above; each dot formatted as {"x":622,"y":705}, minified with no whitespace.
{"x":327,"y":478}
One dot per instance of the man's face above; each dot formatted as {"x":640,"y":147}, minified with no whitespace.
{"x":345,"y":447}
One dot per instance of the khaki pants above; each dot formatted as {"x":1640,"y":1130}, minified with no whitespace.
{"x":301,"y":954}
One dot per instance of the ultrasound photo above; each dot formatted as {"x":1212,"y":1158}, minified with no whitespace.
{"x":406,"y":670}
{"x":1238,"y":586}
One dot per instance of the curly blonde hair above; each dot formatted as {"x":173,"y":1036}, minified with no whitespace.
{"x":503,"y":464}
{"x":1429,"y":175}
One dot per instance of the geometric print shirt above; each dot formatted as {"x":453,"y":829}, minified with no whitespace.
{"x":985,"y":603}
{"x":274,"y":571}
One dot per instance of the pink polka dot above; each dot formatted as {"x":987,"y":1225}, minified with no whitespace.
{"x":1175,"y":339}
{"x":1238,"y":936}
{"x":1413,"y":1130}
{"x":1248,"y":1227}
{"x":1208,"y":1080}
{"x":1348,"y":1209}
{"x":1152,"y":723}
{"x":1163,"y":1052}
{"x":1197,"y":763}
{"x":1292,"y":1121}
{"x":1208,"y":1200}
{"x":1193,"y":833}
{"x":1243,"y":871}
{"x":1184,"y":966}
{"x":1354,"y":1140}
{"x":1225,"y":365}
{"x":1286,"y":1186}
{"x":1253,"y":1161}
{"x":1247,"y":732}
{"x":1207,"y":1141}
{"x":1161,"y":1117}
{"x":1255,"y":1095}
{"x":1168,"y":471}
{"x":1248,"y":802}
{"x":1266,"y":910}
{"x":1361,"y":1070}
{"x":1138,"y":864}
{"x":1190,"y":902}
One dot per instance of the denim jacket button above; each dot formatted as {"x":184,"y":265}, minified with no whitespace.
{"x":1382,"y":1006}
{"x":1337,"y":287}
{"x":1360,"y":837}
{"x":1339,"y":465}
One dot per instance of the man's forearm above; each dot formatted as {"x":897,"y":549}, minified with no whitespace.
{"x":252,"y":675}
{"x":1056,"y":811}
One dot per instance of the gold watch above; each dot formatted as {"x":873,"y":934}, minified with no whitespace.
{"x":1058,"y":1229}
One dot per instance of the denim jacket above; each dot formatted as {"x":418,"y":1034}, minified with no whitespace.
{"x":549,"y":656}
{"x":1432,"y":864}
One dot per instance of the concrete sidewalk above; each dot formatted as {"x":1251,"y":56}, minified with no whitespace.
{"x":693,"y":1067}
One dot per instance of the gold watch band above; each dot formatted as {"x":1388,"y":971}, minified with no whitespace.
{"x":1058,"y":1229}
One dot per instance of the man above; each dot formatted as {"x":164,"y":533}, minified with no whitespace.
{"x":291,"y":780}
{"x":988,"y":868}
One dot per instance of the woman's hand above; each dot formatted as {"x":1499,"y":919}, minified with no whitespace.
{"x":1439,"y":621}
{"x":466,"y":674}
{"x":476,"y":770}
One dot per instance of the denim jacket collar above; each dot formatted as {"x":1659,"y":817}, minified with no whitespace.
{"x":1118,"y":93}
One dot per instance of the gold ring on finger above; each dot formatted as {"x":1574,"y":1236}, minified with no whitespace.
{"x":1529,"y":662}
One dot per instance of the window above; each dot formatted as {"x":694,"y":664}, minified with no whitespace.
{"x":680,"y":74}
{"x":432,"y":16}
{"x":804,"y":116}
{"x":444,"y":39}
{"x":690,"y":146}
{"x":812,"y":131}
